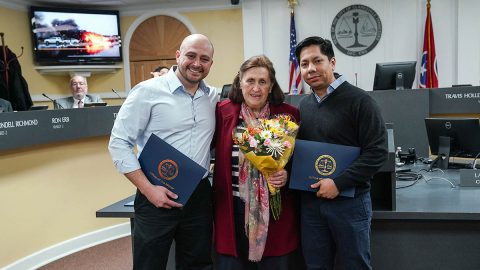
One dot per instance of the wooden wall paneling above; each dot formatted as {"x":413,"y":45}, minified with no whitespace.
{"x":140,"y":70}
{"x":154,"y":43}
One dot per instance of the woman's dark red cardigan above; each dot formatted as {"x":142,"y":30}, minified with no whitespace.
{"x":283,"y":234}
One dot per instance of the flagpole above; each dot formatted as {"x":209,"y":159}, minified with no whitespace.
{"x":429,"y":44}
{"x":428,"y":70}
{"x":430,"y":58}
{"x":293,"y":3}
{"x":295,"y":81}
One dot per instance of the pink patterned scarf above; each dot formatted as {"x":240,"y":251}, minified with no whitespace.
{"x":254,"y":192}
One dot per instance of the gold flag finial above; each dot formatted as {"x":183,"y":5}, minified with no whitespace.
{"x":292,"y":3}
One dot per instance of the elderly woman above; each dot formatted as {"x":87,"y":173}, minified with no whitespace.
{"x":255,"y":94}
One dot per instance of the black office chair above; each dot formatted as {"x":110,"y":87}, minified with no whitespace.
{"x":225,"y":90}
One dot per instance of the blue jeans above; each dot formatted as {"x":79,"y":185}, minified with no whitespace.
{"x":336,"y":233}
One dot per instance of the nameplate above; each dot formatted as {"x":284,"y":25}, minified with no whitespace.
{"x":464,"y":99}
{"x":469,"y":178}
{"x":27,"y":128}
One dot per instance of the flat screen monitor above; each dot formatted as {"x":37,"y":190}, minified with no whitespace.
{"x":65,"y":36}
{"x":453,"y":137}
{"x":394,"y":75}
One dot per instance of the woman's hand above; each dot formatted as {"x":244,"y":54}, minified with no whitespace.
{"x":278,"y":179}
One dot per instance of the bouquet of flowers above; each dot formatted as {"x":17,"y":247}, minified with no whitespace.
{"x":268,"y":146}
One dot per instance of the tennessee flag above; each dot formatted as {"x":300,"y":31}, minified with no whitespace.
{"x":428,"y":70}
{"x":295,"y":83}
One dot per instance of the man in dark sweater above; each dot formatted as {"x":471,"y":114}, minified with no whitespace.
{"x":336,"y":229}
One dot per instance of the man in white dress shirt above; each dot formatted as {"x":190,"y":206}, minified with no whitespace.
{"x":178,"y":107}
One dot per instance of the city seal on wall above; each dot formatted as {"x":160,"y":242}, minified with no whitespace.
{"x":356,"y":30}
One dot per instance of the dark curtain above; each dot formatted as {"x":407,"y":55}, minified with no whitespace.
{"x":13,"y":87}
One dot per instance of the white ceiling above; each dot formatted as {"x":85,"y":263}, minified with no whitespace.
{"x":87,"y":3}
{"x":123,"y":5}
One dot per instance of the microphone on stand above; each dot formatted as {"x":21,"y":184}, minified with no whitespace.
{"x":43,"y":94}
{"x":114,"y":91}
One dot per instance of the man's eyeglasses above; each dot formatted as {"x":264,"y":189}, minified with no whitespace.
{"x":78,"y":84}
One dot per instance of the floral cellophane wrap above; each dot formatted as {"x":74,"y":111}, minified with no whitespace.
{"x":268,"y":146}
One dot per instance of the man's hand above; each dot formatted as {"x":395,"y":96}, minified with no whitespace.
{"x":157,"y":195}
{"x":161,"y":197}
{"x":327,"y":189}
{"x":278,"y":179}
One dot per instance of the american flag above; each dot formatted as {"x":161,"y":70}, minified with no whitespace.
{"x":428,"y":70}
{"x":295,"y":82}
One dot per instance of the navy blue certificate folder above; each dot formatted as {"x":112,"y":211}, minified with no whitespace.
{"x":313,"y":161}
{"x":164,"y":165}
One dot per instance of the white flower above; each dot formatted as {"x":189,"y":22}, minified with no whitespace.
{"x":266,"y":134}
{"x":276,"y":148}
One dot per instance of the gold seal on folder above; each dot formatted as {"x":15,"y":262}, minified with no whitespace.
{"x":325,"y":165}
{"x":168,"y":169}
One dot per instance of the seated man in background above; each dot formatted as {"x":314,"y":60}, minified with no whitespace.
{"x":159,"y":71}
{"x":80,"y":96}
{"x":5,"y":106}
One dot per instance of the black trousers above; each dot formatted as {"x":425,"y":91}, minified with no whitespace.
{"x":190,"y":227}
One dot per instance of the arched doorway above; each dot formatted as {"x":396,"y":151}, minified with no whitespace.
{"x":153,"y":44}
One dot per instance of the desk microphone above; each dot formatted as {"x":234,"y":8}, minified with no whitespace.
{"x":114,"y":91}
{"x":43,"y":94}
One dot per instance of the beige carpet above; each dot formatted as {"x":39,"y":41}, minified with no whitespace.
{"x":113,"y":255}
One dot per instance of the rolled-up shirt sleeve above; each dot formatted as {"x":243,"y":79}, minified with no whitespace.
{"x":128,"y":130}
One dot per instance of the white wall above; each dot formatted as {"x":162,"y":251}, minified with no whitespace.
{"x":455,"y":24}
{"x":468,"y":53}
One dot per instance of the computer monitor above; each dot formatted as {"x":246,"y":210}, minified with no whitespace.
{"x":453,"y":137}
{"x":394,"y":75}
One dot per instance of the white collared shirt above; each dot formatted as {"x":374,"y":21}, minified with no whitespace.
{"x":75,"y":102}
{"x":336,"y":83}
{"x":162,"y":106}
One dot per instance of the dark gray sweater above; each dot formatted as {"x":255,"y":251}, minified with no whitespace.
{"x":348,"y":116}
